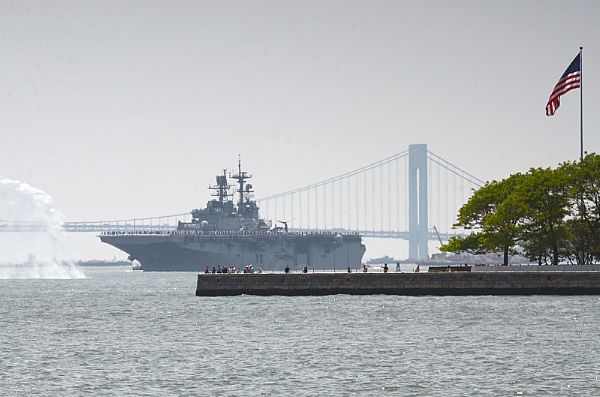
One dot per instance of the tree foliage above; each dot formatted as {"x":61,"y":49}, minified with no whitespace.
{"x":545,"y":202}
{"x":490,"y":212}
{"x":584,"y":224}
{"x":550,"y":215}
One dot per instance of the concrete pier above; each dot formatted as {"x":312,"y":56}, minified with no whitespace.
{"x":412,"y":284}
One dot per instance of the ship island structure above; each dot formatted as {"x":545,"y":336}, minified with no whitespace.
{"x":228,"y":233}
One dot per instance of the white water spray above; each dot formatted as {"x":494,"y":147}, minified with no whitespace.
{"x":39,"y":254}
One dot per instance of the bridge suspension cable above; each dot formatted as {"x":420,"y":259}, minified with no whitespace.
{"x":148,"y":218}
{"x":337,"y":178}
{"x":455,"y":170}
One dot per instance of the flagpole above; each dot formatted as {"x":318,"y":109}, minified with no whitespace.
{"x":581,"y":100}
{"x":583,"y":209}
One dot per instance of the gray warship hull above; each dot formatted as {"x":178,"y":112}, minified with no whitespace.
{"x":226,"y":234}
{"x":180,"y":251}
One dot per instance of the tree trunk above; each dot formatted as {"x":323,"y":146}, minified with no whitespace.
{"x":555,"y":253}
{"x":506,"y":255}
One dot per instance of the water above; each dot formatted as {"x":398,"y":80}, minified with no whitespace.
{"x":119,"y":332}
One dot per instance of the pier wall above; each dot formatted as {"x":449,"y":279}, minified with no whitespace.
{"x":414,"y":284}
{"x":535,"y":268}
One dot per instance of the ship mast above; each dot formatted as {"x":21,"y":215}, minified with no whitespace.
{"x":222,"y":187}
{"x":241,"y":176}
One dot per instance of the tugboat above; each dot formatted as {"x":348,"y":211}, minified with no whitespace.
{"x":228,"y":233}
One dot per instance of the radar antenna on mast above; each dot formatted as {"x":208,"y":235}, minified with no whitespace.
{"x":222,"y":187}
{"x":241,"y":177}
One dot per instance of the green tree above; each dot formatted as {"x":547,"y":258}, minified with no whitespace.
{"x":543,"y":201}
{"x":552,"y":214}
{"x":584,"y":224}
{"x":492,"y":212}
{"x":472,"y":244}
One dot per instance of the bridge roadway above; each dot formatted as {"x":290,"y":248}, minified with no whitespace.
{"x":101,"y":227}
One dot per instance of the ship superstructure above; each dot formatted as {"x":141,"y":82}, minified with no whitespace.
{"x":231,"y":233}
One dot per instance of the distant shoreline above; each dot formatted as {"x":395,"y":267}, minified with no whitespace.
{"x":103,"y":263}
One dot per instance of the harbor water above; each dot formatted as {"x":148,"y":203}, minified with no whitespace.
{"x":118,"y":332}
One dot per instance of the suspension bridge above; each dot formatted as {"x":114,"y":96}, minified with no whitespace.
{"x":413,"y":195}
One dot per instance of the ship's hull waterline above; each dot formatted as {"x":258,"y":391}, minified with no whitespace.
{"x":268,"y":251}
{"x":228,"y":233}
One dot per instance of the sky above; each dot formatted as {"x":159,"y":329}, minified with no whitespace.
{"x":122,"y":109}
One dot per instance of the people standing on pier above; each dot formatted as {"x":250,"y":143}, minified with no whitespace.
{"x":287,"y":269}
{"x":365,"y":269}
{"x":349,"y":270}
{"x":385,"y":268}
{"x":305,"y":269}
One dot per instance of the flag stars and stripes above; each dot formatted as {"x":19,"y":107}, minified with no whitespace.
{"x":570,"y":80}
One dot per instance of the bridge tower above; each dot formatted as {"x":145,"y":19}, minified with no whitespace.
{"x":417,"y":202}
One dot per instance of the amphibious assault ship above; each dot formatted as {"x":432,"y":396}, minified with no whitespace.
{"x":228,"y":233}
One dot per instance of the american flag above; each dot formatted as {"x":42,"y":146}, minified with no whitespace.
{"x":570,"y":80}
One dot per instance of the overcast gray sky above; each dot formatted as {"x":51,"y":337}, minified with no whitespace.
{"x":124,"y":109}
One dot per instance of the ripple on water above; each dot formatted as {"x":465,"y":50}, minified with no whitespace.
{"x":124,"y":333}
